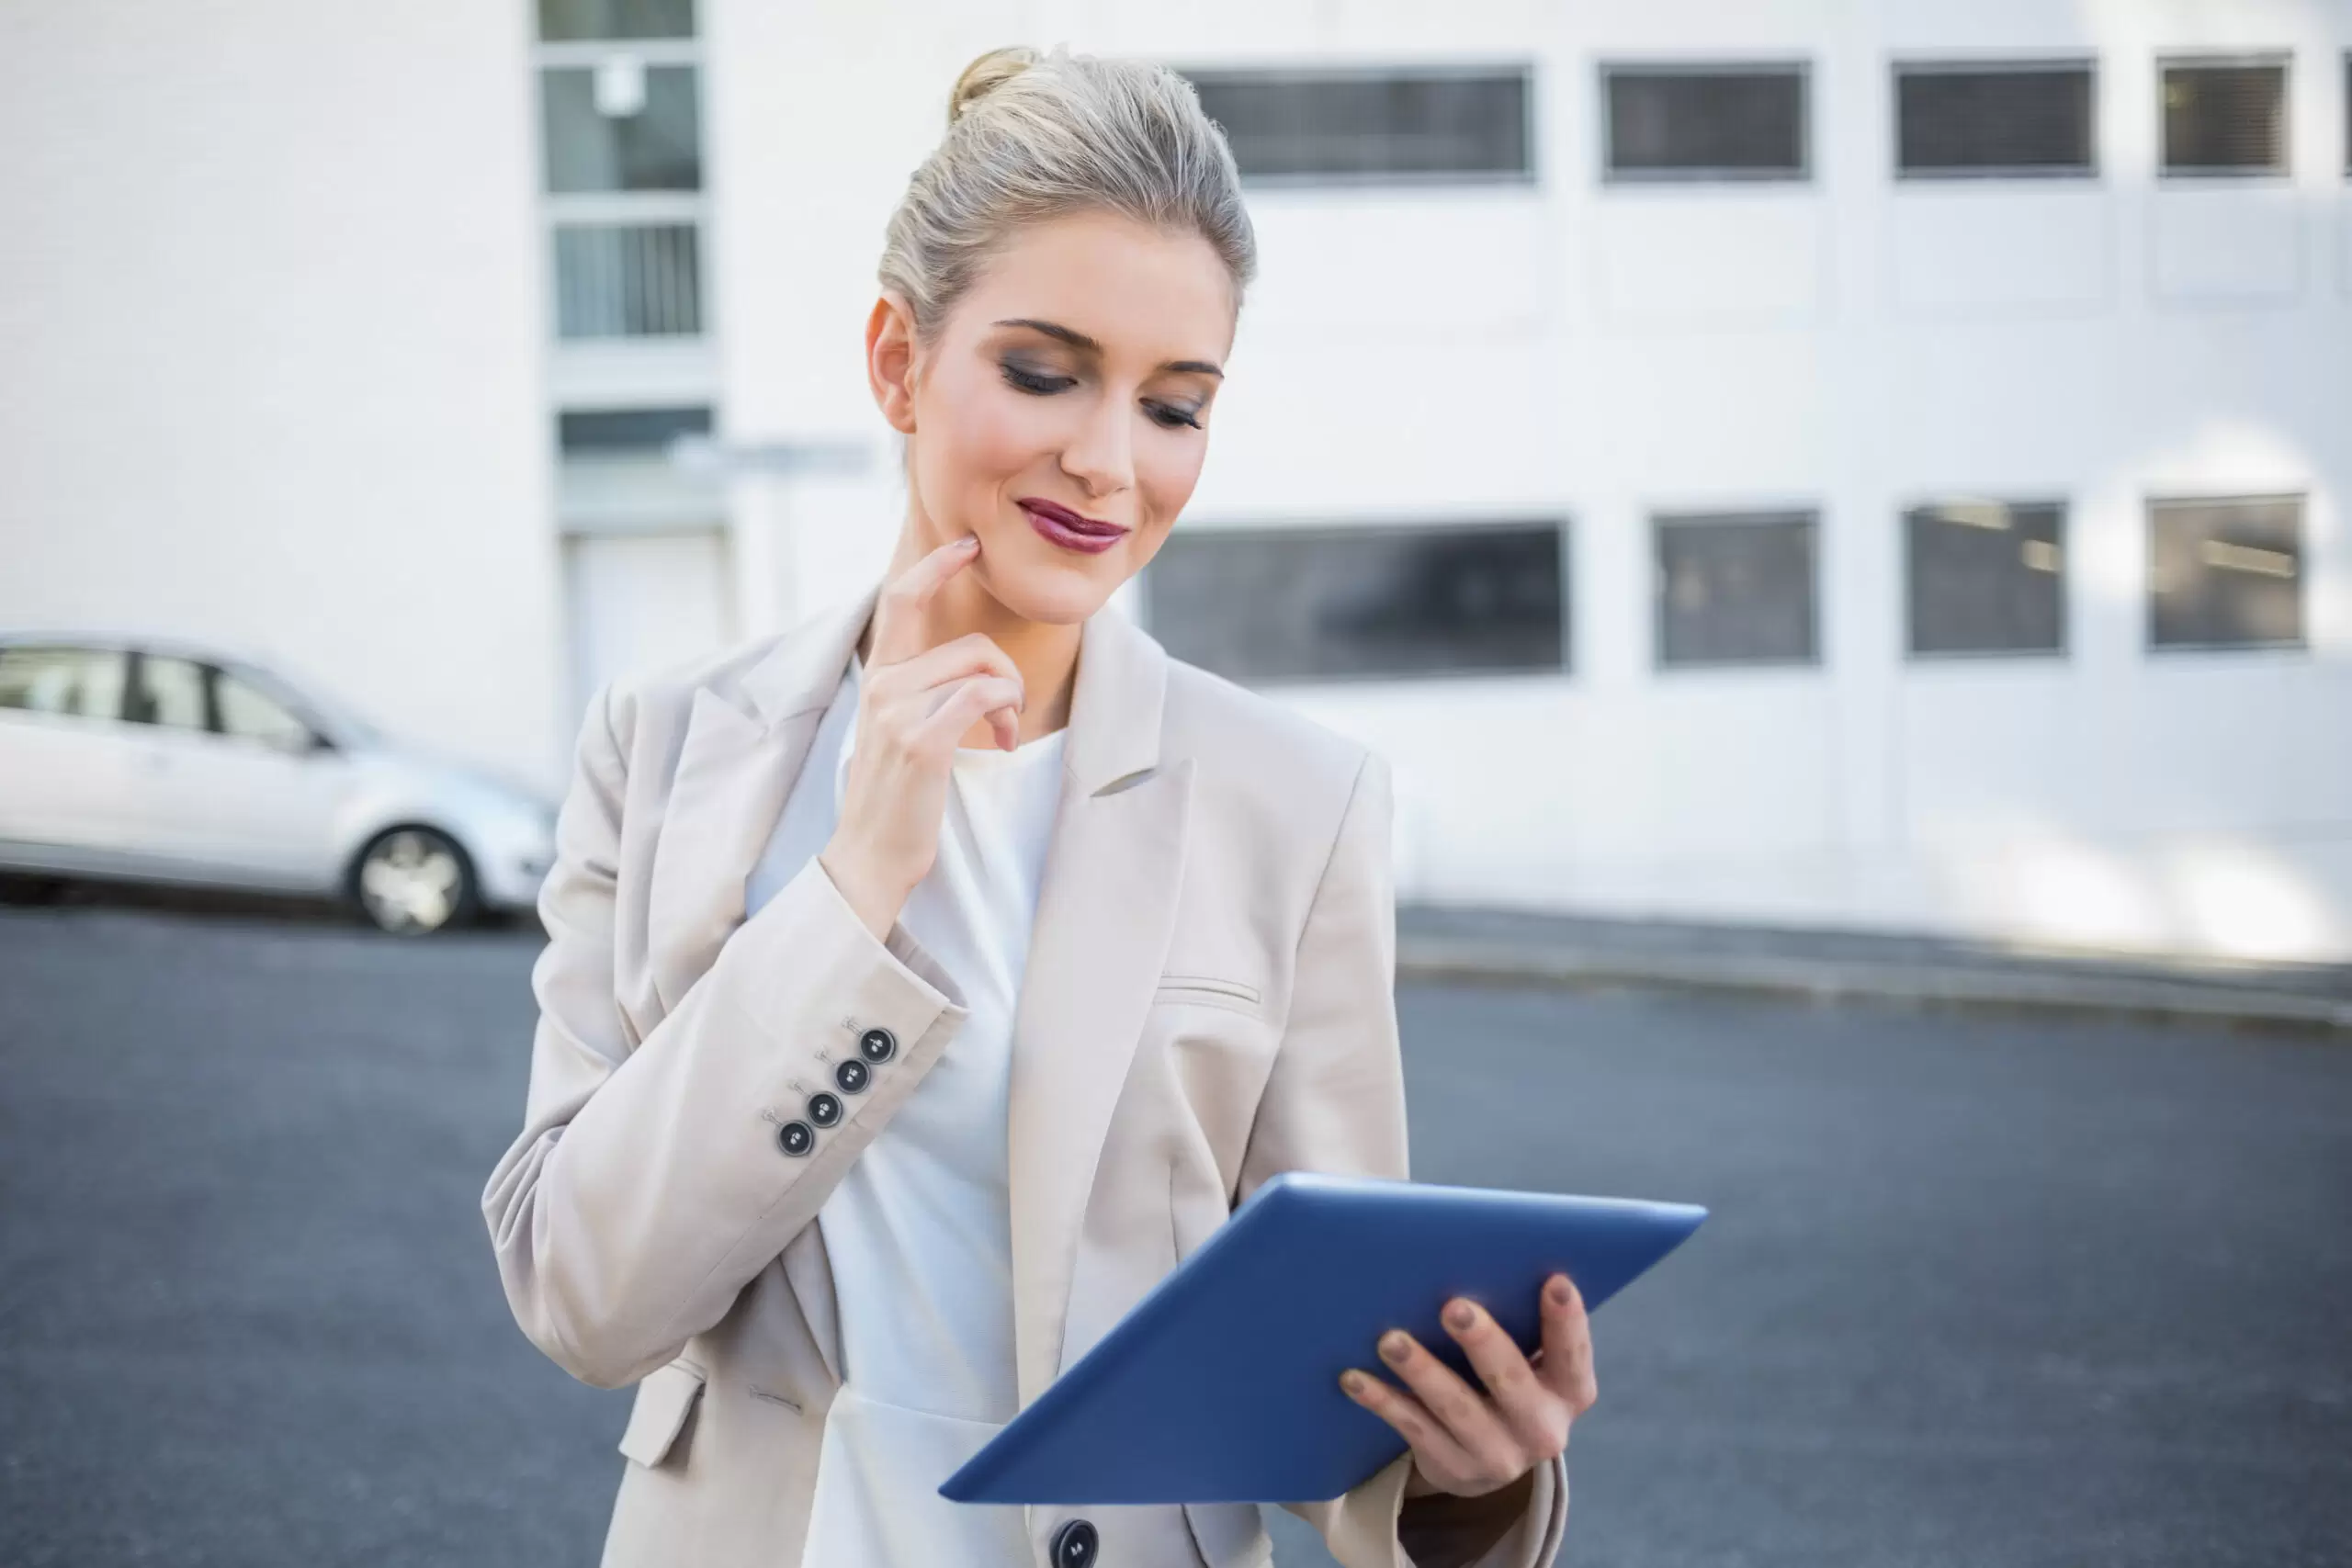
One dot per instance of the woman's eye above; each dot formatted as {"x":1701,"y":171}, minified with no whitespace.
{"x":1170,"y":416}
{"x":1036,"y":381}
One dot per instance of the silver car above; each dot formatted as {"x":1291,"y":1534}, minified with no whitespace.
{"x":128,"y":756}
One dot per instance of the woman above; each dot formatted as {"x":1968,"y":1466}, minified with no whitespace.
{"x":784,"y":1165}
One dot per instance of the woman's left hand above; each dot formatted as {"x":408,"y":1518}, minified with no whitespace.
{"x":1470,"y":1442}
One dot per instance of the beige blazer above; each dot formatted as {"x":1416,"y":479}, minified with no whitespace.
{"x":1208,"y":1002}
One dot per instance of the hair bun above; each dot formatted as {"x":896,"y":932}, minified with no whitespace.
{"x":985,"y":75}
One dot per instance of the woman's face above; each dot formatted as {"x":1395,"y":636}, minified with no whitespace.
{"x":1062,"y":412}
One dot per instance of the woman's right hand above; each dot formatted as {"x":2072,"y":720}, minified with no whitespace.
{"x":914,"y":704}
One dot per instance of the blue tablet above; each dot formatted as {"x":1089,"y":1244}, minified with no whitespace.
{"x":1223,"y":1384}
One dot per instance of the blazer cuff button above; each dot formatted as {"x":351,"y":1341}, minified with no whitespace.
{"x":877,"y":1046}
{"x":852,"y":1076}
{"x":1074,"y":1544}
{"x":796,"y":1138}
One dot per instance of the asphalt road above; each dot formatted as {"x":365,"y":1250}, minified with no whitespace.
{"x":1976,"y":1292}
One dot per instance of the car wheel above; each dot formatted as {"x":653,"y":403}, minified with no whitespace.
{"x":414,"y":880}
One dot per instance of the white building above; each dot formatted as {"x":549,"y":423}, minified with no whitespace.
{"x":1875,"y":466}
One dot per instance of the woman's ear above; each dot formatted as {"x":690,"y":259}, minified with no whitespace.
{"x":890,"y":361}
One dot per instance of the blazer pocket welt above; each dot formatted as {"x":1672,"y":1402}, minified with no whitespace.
{"x":1211,"y":990}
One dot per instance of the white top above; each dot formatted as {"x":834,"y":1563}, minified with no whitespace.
{"x":919,"y":1232}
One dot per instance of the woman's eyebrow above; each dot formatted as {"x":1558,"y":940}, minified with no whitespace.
{"x":1078,"y":340}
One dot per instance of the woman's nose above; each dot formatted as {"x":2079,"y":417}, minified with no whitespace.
{"x":1101,"y":456}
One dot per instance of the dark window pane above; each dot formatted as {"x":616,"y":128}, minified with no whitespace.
{"x":640,"y":130}
{"x":2014,"y":121}
{"x":1987,"y":576}
{"x":604,"y":432}
{"x":1725,"y":121}
{"x":562,"y":21}
{"x":2225,"y":573}
{"x":1305,"y":604}
{"x":628,"y":281}
{"x":85,"y":682}
{"x":2225,"y":119}
{"x":1348,"y":127}
{"x":1735,"y":590}
{"x":167,"y":692}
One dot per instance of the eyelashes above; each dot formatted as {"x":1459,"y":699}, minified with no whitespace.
{"x":1039,"y":384}
{"x":1034,"y":382}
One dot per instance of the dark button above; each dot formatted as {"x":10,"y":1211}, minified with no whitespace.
{"x":796,"y":1138}
{"x":1076,"y":1543}
{"x":877,"y":1046}
{"x":852,"y":1076}
{"x":824,"y":1109}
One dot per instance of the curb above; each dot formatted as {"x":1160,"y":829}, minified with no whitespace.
{"x":1436,"y":957}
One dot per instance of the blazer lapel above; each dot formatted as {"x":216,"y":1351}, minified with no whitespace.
{"x":735,"y":767}
{"x":1106,"y":911}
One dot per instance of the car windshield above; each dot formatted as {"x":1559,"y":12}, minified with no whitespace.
{"x":341,"y":717}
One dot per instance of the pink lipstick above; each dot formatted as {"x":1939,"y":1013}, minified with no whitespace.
{"x":1060,"y":525}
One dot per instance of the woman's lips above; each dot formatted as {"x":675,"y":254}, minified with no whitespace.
{"x":1060,"y":525}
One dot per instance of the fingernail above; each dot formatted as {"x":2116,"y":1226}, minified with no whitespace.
{"x":968,"y":541}
{"x":1559,"y":1289}
{"x":1352,"y":1380}
{"x":1395,"y":1345}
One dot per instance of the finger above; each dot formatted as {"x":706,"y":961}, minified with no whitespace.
{"x":974,"y":653}
{"x":1567,"y":1366}
{"x":897,"y":611}
{"x":1530,"y":1408}
{"x":1463,"y":1410}
{"x":979,"y":696}
{"x":1441,"y":1459}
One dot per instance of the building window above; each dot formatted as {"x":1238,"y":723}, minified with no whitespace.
{"x":565,"y":21}
{"x":2225,"y":117}
{"x":1962,"y":121}
{"x":628,"y":432}
{"x":620,"y":116}
{"x":615,"y":281}
{"x":1987,"y":576}
{"x":1339,"y":126}
{"x":2226,"y":573}
{"x":1714,"y":122}
{"x":1737,"y":588}
{"x":621,"y":126}
{"x":1357,"y":603}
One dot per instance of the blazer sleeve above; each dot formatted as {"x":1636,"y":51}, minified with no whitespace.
{"x":1335,"y":1102}
{"x":649,"y":1184}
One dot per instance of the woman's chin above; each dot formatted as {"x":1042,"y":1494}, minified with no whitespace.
{"x":1050,"y":592}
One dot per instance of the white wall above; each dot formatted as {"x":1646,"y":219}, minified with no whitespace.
{"x":270,"y":327}
{"x":1850,"y":344}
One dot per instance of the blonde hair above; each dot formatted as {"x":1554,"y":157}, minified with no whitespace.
{"x":1035,"y":136}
